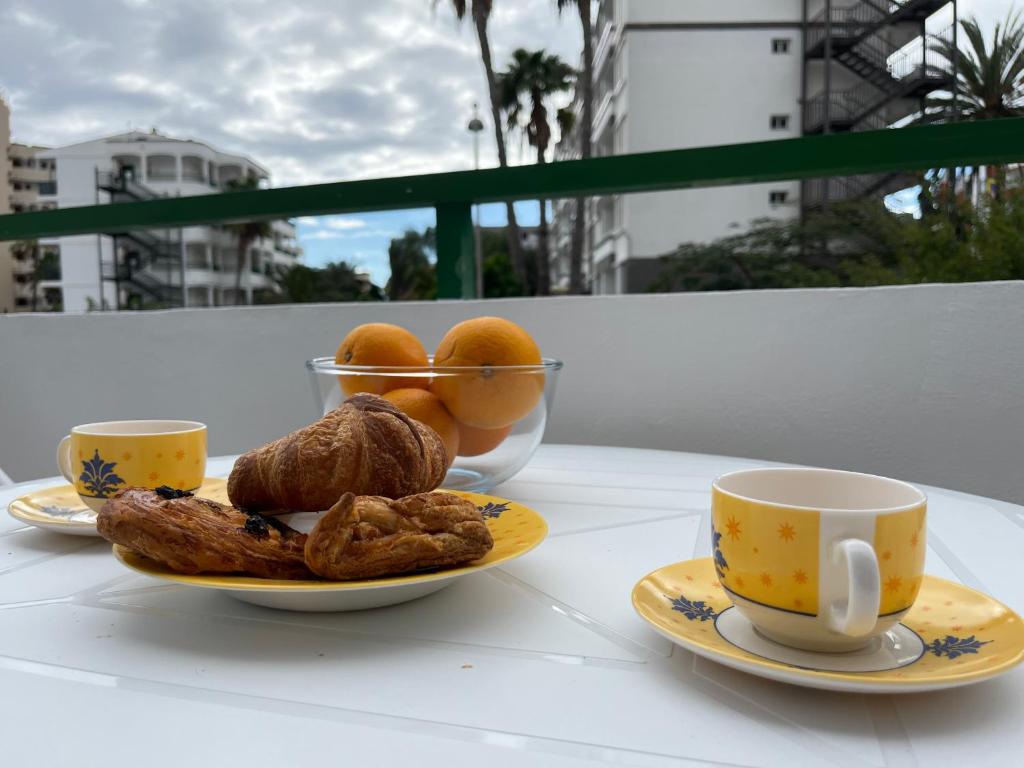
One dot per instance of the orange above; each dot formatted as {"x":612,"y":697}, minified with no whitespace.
{"x":473,"y":441}
{"x":488,"y":398}
{"x":427,"y":408}
{"x":380,"y":344}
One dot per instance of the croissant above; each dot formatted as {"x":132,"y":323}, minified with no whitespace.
{"x":370,"y":536}
{"x":366,"y":446}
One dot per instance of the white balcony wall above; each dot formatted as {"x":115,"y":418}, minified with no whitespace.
{"x":917,"y":382}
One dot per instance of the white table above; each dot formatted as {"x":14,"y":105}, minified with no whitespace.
{"x":541,"y":663}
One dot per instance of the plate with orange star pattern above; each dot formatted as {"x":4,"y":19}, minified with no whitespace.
{"x":951,"y":636}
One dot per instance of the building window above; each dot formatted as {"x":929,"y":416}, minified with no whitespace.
{"x":780,"y":45}
{"x":778,"y":197}
{"x":161,"y":168}
{"x":227,"y":174}
{"x":195,"y":255}
{"x":192,"y":168}
{"x":780,"y":122}
{"x":47,"y":187}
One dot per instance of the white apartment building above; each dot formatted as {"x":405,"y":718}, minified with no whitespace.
{"x":192,"y":267}
{"x":26,"y":275}
{"x":675,"y":75}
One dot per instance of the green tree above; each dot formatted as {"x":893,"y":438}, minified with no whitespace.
{"x":245,"y":232}
{"x":413,"y":276}
{"x":533,"y":77}
{"x":480,"y":12}
{"x":334,"y":282}
{"x":859,"y":244}
{"x":585,"y":84}
{"x":500,"y":279}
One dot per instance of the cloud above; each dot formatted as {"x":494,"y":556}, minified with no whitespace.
{"x":345,"y":223}
{"x":321,"y":90}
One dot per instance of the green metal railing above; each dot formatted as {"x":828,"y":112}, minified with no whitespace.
{"x":453,"y":194}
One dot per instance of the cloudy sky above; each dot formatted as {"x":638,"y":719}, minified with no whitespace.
{"x":317,"y":90}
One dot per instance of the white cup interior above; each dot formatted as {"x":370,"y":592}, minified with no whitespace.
{"x":139,"y":427}
{"x":820,"y":489}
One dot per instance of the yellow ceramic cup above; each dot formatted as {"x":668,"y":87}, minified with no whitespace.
{"x":103,"y":458}
{"x":818,"y":559}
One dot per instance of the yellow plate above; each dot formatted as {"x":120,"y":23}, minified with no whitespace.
{"x":966,"y":636}
{"x":60,"y":509}
{"x":516,"y":530}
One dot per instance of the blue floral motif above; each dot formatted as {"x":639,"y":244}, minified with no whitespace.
{"x":721,"y":566}
{"x":98,"y":476}
{"x":952,"y":646}
{"x":696,"y":609}
{"x":490,"y":509}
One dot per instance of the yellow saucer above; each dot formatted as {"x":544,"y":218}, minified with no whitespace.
{"x":967,"y":636}
{"x":60,"y":509}
{"x":516,"y":530}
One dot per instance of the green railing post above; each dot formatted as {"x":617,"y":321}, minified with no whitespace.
{"x":456,"y":265}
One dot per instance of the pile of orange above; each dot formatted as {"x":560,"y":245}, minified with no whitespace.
{"x":472,"y":410}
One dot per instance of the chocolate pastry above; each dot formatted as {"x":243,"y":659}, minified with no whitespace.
{"x":367,"y":536}
{"x":366,"y":446}
{"x":193,"y":535}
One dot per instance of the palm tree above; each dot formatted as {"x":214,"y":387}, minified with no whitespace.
{"x":989,"y":80}
{"x":585,"y":138}
{"x":989,"y":77}
{"x":480,"y":10}
{"x":245,"y":232}
{"x":535,"y":75}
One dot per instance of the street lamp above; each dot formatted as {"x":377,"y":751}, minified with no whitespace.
{"x":474,"y":126}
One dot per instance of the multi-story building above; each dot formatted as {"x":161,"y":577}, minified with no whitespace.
{"x":6,"y":262}
{"x":671,"y":75}
{"x":193,"y":267}
{"x":27,"y":272}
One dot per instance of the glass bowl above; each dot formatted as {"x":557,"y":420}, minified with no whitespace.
{"x":504,"y":384}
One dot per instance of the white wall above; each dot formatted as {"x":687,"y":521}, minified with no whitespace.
{"x":696,"y":11}
{"x":920,"y":382}
{"x":692,"y":88}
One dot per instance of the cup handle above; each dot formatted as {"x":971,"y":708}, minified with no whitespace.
{"x":864,"y":592}
{"x":64,"y":459}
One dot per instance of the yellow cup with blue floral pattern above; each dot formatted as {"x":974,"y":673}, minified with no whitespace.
{"x":103,"y":458}
{"x":818,"y":559}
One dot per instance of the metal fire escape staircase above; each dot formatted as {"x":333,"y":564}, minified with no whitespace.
{"x":147,"y":263}
{"x":891,"y":80}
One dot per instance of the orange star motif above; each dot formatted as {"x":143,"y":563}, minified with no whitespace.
{"x":787,"y":532}
{"x":153,"y":475}
{"x":798,"y":603}
{"x":887,"y":555}
{"x":913,"y":540}
{"x":733,"y":528}
{"x":159,"y":455}
{"x":126,"y":456}
{"x":893,"y":584}
{"x":766,"y":579}
{"x":739,"y":581}
{"x":756,"y":550}
{"x":799,"y":577}
{"x":179,"y":455}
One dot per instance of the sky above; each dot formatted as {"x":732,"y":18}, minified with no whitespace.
{"x":317,"y":90}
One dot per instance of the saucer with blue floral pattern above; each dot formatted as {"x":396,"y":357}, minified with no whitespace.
{"x":952,"y":636}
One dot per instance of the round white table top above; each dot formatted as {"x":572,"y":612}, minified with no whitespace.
{"x":541,"y":663}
